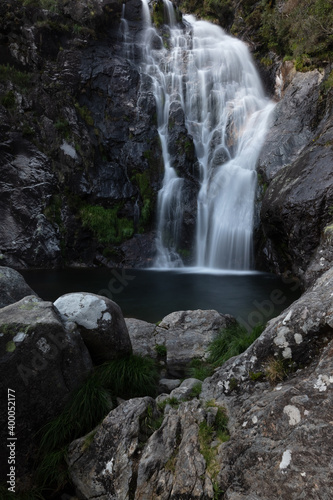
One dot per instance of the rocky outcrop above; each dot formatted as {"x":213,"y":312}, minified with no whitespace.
{"x":274,"y":401}
{"x":185,"y":335}
{"x":116,"y":445}
{"x":12,"y":287}
{"x":295,"y":170}
{"x":100,"y":322}
{"x":39,"y":358}
{"x":90,"y":167}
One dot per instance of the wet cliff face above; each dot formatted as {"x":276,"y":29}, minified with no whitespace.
{"x":296,"y":178}
{"x":80,"y":155}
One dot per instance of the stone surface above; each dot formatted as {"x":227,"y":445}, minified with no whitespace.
{"x":188,"y":334}
{"x":106,"y":467}
{"x":12,"y":287}
{"x":100,"y":322}
{"x":185,"y":335}
{"x":43,"y":363}
{"x":295,"y":178}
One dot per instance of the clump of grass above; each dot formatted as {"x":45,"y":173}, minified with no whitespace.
{"x":130,"y":377}
{"x":200,"y":369}
{"x":173,"y":402}
{"x":275,"y":370}
{"x":230,"y":342}
{"x":195,"y":391}
{"x":161,"y":350}
{"x":19,"y":78}
{"x":127,"y":377}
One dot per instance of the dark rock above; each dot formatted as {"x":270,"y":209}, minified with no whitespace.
{"x":292,"y":125}
{"x":107,"y":467}
{"x":27,"y":238}
{"x":12,"y":287}
{"x":100,"y":323}
{"x":39,"y":358}
{"x":296,"y":206}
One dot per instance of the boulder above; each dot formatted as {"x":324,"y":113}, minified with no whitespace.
{"x":185,"y":335}
{"x":41,"y":365}
{"x":12,"y":287}
{"x":106,"y":466}
{"x":100,"y":322}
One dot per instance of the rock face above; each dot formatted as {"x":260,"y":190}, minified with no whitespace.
{"x":39,"y":358}
{"x":185,"y":335}
{"x":100,"y":323}
{"x":278,"y":397}
{"x":12,"y":287}
{"x":295,"y":167}
{"x":116,"y":446}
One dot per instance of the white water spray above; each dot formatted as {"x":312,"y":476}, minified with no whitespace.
{"x":213,"y":78}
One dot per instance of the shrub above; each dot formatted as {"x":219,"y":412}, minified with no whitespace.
{"x":19,"y":78}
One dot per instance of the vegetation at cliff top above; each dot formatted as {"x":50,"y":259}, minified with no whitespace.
{"x":301,"y":30}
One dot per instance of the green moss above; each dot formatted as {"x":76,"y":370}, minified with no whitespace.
{"x":20,"y":79}
{"x":85,"y":114}
{"x":106,"y":224}
{"x":8,"y":100}
{"x":158,"y":15}
{"x":161,"y":350}
{"x":63,"y":127}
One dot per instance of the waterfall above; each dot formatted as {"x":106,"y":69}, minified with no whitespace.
{"x":212,"y":76}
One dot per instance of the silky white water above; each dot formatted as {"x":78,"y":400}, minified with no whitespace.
{"x":213,"y":77}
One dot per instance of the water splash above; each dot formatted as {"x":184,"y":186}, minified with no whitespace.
{"x":212,"y":76}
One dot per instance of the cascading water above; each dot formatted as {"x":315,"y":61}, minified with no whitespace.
{"x":213,"y":78}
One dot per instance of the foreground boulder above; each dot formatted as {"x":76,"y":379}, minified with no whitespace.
{"x":105,"y":468}
{"x":41,"y":365}
{"x":12,"y":286}
{"x":100,"y":322}
{"x":184,"y":334}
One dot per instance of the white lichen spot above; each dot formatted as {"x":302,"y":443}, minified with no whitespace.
{"x":280,"y":339}
{"x":106,"y":316}
{"x":255,"y":419}
{"x":293,"y":414}
{"x":286,"y":353}
{"x":278,"y":388}
{"x":303,"y":474}
{"x":286,"y":459}
{"x":109,"y":467}
{"x":321,"y":383}
{"x":253,"y":359}
{"x":306,"y":412}
{"x":245,"y":423}
{"x":84,"y":309}
{"x":43,"y":345}
{"x":298,"y":338}
{"x":69,"y":150}
{"x":19,"y":337}
{"x":287,"y":318}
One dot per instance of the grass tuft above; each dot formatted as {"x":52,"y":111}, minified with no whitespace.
{"x":231,"y":342}
{"x":131,"y":376}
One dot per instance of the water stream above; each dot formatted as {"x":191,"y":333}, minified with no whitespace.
{"x":212,"y":76}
